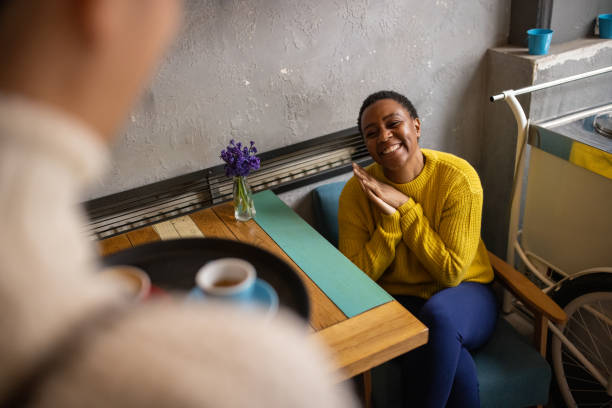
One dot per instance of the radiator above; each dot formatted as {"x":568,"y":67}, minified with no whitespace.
{"x":281,"y":170}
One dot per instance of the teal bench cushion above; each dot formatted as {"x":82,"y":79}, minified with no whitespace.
{"x":325,"y":207}
{"x":511,"y":372}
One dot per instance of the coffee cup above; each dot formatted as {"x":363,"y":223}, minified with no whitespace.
{"x":133,"y":282}
{"x":227,"y":279}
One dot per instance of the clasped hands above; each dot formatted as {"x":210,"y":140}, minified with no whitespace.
{"x":385,"y":197}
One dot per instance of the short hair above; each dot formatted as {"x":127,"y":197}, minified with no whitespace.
{"x":377,"y":96}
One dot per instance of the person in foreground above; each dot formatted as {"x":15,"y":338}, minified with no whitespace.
{"x":411,"y":221}
{"x":71,"y":71}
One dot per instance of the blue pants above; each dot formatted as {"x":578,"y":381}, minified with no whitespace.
{"x":442,"y":373}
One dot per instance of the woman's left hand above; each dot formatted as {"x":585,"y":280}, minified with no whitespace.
{"x":379,"y":192}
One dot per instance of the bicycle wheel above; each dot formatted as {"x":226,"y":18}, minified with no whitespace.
{"x":587,"y":300}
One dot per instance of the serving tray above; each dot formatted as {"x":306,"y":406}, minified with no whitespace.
{"x":173,"y":264}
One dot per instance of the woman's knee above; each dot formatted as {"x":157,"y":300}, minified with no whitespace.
{"x":442,"y":307}
{"x":469,"y":310}
{"x":438,"y":317}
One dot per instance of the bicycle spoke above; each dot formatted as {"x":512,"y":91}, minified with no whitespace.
{"x":587,"y":390}
{"x":579,"y":380}
{"x":583,"y":326}
{"x":577,"y":338}
{"x":574,"y":362}
{"x":609,"y":327}
{"x":589,"y":331}
{"x":597,"y":312}
{"x":584,"y":380}
{"x":605,"y":326}
{"x":584,"y":349}
{"x":594,"y":344}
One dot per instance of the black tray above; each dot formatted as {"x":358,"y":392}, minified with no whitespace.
{"x":173,"y":264}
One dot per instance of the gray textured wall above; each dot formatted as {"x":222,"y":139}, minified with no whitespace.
{"x":574,"y":19}
{"x":284,"y":71}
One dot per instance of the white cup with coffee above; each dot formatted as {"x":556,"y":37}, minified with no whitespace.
{"x":227,"y":279}
{"x":132,"y":282}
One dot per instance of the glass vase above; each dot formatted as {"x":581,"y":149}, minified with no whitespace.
{"x":244,"y":209}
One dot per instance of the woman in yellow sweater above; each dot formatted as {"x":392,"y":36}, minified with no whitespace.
{"x":411,"y":221}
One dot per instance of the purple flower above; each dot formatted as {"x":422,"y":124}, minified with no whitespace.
{"x":240,"y":160}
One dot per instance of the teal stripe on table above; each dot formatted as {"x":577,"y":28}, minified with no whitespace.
{"x":345,"y":284}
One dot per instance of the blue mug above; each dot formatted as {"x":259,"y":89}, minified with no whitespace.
{"x":538,"y":40}
{"x":605,"y":25}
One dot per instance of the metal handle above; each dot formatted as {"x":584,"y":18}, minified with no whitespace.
{"x":556,"y":82}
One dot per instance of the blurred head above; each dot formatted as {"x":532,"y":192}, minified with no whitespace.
{"x":89,"y":57}
{"x":391,"y":130}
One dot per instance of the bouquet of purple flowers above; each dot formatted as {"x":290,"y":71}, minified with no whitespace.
{"x":240,"y":160}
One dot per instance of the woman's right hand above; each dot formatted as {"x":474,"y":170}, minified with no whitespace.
{"x":370,"y":186}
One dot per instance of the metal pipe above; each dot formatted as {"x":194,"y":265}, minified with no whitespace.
{"x":521,"y":122}
{"x":543,"y":278}
{"x":563,"y":120}
{"x":522,"y":125}
{"x":556,"y":82}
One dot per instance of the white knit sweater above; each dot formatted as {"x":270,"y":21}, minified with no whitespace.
{"x":162,"y":354}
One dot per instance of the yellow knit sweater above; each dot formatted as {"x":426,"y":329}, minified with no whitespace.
{"x":432,"y":242}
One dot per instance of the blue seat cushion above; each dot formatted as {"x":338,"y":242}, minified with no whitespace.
{"x":325,"y":205}
{"x":511,"y":372}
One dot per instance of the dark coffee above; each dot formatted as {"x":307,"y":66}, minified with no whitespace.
{"x":223,"y":283}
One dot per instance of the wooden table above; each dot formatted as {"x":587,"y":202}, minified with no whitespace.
{"x":358,"y":344}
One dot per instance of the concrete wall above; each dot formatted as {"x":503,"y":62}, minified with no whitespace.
{"x":570,"y":59}
{"x":574,"y":19}
{"x":284,"y":71}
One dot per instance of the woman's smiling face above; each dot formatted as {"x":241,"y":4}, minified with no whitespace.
{"x":391,"y":134}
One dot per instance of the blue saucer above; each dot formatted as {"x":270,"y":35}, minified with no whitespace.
{"x":263,"y":297}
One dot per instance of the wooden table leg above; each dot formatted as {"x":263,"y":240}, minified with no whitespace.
{"x":362,"y":385}
{"x":367,"y":389}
